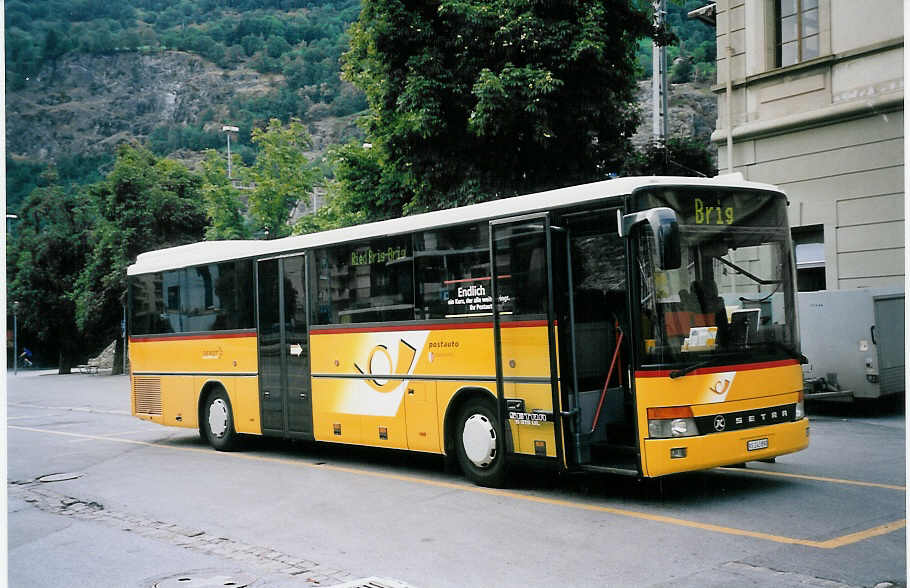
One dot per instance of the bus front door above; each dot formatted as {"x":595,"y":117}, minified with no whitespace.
{"x":590,"y":286}
{"x":524,"y":330}
{"x":284,"y":371}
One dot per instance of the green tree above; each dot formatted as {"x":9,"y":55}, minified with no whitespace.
{"x":684,"y":156}
{"x":681,"y":70}
{"x":366,"y":185}
{"x":281,"y":177}
{"x":222,"y":199}
{"x":43,"y":264}
{"x":336,"y":213}
{"x":477,"y":100}
{"x":144,"y":203}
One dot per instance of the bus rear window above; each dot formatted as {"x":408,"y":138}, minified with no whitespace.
{"x":213,"y":297}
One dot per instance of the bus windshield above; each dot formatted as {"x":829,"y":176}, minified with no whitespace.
{"x":732,"y":298}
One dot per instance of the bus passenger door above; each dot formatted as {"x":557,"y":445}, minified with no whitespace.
{"x":525,"y":336}
{"x":284,"y":370}
{"x":592,"y":315}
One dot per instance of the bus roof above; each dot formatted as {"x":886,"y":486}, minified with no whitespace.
{"x":217,"y":251}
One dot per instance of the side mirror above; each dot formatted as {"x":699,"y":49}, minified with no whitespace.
{"x":666,"y":233}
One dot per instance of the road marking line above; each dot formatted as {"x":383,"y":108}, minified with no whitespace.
{"x":70,"y":408}
{"x":862,"y":535}
{"x":84,"y":439}
{"x":817,"y":478}
{"x":827,"y":544}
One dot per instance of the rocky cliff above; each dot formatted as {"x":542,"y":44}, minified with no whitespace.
{"x":89,"y":103}
{"x":693,"y":112}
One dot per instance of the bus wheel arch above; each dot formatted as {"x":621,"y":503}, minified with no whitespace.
{"x":474,"y":438}
{"x":216,"y":417}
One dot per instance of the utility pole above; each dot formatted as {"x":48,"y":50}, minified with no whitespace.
{"x":659,"y":77}
{"x":123,"y":334}
{"x":16,"y":338}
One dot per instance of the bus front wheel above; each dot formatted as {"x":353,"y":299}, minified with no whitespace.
{"x":219,"y":422}
{"x":480,"y":446}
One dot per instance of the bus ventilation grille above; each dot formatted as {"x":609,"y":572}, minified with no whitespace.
{"x":147,"y":395}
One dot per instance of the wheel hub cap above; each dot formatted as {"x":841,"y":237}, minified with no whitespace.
{"x":479,"y":439}
{"x":218,"y":417}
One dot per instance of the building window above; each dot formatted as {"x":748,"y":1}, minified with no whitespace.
{"x":797,"y":31}
{"x":809,"y":251}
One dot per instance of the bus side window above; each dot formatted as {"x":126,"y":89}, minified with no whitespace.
{"x":369,"y":281}
{"x":452,"y":273}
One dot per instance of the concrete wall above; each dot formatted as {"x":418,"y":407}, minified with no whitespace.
{"x":828,"y":130}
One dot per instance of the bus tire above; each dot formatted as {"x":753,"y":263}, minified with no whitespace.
{"x":219,"y":422}
{"x":479,"y":444}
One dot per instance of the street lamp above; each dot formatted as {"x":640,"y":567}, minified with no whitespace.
{"x":229,"y":129}
{"x":15,"y":337}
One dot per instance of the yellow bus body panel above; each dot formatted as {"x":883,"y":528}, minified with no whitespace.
{"x":203,"y":355}
{"x":410,"y":412}
{"x":183,"y":366}
{"x":714,"y":393}
{"x":719,"y":449}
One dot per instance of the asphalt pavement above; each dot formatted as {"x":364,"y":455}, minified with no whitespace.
{"x":99,"y":498}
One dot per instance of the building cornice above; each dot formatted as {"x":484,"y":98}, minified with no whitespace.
{"x":818,"y":117}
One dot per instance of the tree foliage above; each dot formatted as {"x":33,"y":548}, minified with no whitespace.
{"x":144,"y":203}
{"x":681,"y":156}
{"x":477,"y":100}
{"x":281,"y":177}
{"x":43,"y":262}
{"x":301,"y":39}
{"x":222,"y":200}
{"x":695,"y":42}
{"x":366,"y":184}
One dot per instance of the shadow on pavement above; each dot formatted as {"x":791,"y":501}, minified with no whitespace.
{"x":888,"y":406}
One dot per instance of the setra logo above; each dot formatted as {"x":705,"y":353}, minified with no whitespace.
{"x":379,"y":365}
{"x":720,"y":423}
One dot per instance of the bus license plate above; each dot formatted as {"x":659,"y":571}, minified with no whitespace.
{"x":757,"y":444}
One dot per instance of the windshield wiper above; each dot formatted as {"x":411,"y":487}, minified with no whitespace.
{"x":789,"y":351}
{"x":740,"y":270}
{"x":690,"y":368}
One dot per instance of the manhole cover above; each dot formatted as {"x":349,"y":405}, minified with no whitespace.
{"x":60,"y":477}
{"x":206,"y":580}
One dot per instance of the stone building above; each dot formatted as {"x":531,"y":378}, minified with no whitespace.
{"x":810,"y":96}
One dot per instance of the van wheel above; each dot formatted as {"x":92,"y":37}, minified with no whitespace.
{"x":479,"y":445}
{"x":219,"y":422}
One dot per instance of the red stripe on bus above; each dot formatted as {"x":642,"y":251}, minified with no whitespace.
{"x":431,"y":327}
{"x":743,"y":367}
{"x":176,"y":337}
{"x":486,"y":279}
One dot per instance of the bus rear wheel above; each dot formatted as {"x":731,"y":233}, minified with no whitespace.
{"x":219,"y":422}
{"x":479,"y":445}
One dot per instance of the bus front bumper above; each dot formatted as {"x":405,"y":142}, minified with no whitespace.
{"x":720,"y":449}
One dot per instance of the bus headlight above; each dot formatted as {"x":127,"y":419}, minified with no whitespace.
{"x":676,"y":421}
{"x":800,"y":411}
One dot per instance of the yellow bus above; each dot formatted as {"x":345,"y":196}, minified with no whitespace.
{"x":640,"y":326}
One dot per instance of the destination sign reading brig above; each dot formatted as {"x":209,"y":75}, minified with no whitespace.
{"x":717,"y":209}
{"x":708,"y":213}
